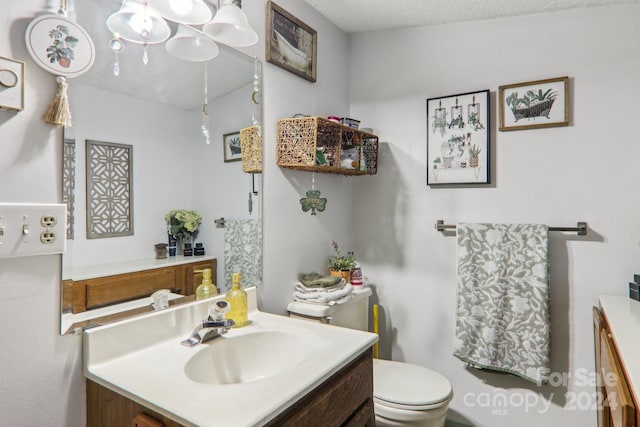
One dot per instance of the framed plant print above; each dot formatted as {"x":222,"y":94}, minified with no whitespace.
{"x":458,"y":139}
{"x":60,"y":46}
{"x":231,"y":145}
{"x":291,"y":44}
{"x":535,"y":104}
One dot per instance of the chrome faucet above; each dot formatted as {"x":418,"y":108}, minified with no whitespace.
{"x":215,"y":325}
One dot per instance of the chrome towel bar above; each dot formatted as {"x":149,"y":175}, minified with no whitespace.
{"x":581,"y":228}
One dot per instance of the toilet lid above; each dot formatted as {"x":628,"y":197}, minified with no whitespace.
{"x":409,"y":386}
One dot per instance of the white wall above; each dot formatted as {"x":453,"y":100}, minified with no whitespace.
{"x":162,"y":139}
{"x":296,"y":241}
{"x":556,"y":176}
{"x":221,"y":189}
{"x":42,"y":382}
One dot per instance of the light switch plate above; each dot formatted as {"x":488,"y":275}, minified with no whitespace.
{"x":32,"y":229}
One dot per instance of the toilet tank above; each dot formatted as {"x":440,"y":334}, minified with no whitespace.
{"x":353,"y":314}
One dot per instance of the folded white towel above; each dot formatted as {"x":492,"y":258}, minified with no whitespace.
{"x":329,"y":303}
{"x":300,"y":287}
{"x":323,"y":297}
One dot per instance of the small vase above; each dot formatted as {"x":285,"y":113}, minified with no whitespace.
{"x":344,"y":274}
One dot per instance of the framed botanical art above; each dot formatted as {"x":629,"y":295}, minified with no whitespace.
{"x":231,"y":145}
{"x":535,"y":104}
{"x":290,"y":43}
{"x":458,"y":139}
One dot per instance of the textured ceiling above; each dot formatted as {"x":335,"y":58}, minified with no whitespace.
{"x":356,"y":16}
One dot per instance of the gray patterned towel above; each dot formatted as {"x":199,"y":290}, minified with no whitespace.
{"x":502,"y":319}
{"x":243,"y":251}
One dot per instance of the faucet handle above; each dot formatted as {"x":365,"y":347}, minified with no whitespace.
{"x":219,"y":309}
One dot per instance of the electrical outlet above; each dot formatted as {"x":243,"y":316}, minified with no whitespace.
{"x":32,"y":229}
{"x":47,"y":237}
{"x":48,"y":220}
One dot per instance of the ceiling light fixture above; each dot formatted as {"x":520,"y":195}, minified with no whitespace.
{"x":144,"y":22}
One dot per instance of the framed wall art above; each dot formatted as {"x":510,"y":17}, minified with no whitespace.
{"x":458,"y":139}
{"x":11,"y":84}
{"x":232,"y":147}
{"x":60,"y":46}
{"x":290,"y":43}
{"x":535,"y":104}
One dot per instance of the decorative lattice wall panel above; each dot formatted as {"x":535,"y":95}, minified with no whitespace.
{"x":69,"y":182}
{"x":109,"y":190}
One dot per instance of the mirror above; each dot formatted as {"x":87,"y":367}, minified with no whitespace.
{"x":157,"y":111}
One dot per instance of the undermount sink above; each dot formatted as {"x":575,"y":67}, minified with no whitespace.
{"x":246,"y":358}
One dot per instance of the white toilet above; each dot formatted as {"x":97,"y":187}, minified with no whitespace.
{"x":403,"y":394}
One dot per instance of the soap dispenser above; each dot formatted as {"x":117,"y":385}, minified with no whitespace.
{"x":237,"y":298}
{"x":207,"y":288}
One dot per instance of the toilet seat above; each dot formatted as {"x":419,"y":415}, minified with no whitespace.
{"x":409,"y":387}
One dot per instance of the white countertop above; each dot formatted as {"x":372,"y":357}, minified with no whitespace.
{"x":623,"y":317}
{"x":143,"y":359}
{"x":129,"y":266}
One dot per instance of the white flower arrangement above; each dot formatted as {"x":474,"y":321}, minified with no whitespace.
{"x":183,"y":223}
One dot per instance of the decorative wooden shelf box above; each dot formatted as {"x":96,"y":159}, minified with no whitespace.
{"x":301,"y":139}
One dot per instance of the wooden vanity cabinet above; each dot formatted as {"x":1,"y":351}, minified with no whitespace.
{"x":617,"y":408}
{"x":107,"y":290}
{"x":345,"y":399}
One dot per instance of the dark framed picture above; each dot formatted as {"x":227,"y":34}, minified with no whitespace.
{"x":231,"y":144}
{"x":535,"y":104}
{"x":458,"y":139}
{"x":291,"y":44}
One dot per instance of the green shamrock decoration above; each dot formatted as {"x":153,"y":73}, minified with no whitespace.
{"x":313,"y":202}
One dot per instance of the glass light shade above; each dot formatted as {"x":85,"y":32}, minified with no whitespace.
{"x":231,"y":27}
{"x":139,"y":24}
{"x":190,"y":45}
{"x":192,"y":12}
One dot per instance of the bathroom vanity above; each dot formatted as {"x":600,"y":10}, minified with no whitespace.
{"x":276,"y":371}
{"x":617,"y":351}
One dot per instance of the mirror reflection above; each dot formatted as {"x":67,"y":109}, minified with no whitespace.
{"x":168,"y":120}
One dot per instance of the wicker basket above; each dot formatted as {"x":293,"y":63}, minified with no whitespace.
{"x":251,"y":146}
{"x":317,"y":144}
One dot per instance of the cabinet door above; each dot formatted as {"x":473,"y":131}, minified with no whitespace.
{"x":123,"y":287}
{"x":192,"y":278}
{"x":621,"y":407}
{"x":603,"y":410}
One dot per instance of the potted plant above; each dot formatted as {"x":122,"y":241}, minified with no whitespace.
{"x":182,"y":225}
{"x":341,"y":265}
{"x":61,"y":51}
{"x":474,"y":152}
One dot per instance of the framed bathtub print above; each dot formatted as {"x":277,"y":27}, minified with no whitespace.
{"x":535,"y":104}
{"x":458,"y":139}
{"x":231,"y":144}
{"x":290,"y":43}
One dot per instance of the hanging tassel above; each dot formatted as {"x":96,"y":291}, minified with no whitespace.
{"x":58,"y":112}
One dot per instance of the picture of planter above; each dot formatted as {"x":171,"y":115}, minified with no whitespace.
{"x":61,"y":51}
{"x":542,"y":103}
{"x":60,"y":46}
{"x":474,"y":156}
{"x":458,"y":139}
{"x":231,"y":146}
